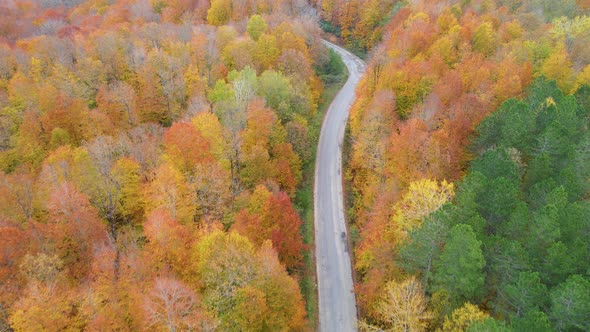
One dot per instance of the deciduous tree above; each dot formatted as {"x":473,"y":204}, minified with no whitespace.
{"x":256,"y":26}
{"x":403,"y":307}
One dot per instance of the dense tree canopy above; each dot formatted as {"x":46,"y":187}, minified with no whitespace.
{"x":147,"y":149}
{"x":435,"y":107}
{"x":151,"y":153}
{"x":514,"y":239}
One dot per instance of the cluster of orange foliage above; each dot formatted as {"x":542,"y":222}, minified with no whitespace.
{"x":360,"y":23}
{"x":442,"y":67}
{"x":148,"y":161}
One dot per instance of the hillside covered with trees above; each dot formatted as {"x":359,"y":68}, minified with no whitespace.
{"x":468,"y":165}
{"x":155,"y":163}
{"x":150,"y":152}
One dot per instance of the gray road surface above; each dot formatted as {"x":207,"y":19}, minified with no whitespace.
{"x":337,"y":304}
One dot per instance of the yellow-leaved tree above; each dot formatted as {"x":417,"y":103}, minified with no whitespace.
{"x":422,"y":198}
{"x":402,"y":307}
{"x":558,"y":67}
{"x":220,"y":12}
{"x":463,"y":317}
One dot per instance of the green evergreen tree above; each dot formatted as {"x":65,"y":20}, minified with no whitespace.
{"x":460,"y":268}
{"x":570,"y":304}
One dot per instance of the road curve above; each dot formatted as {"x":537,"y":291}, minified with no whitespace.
{"x":337,"y":304}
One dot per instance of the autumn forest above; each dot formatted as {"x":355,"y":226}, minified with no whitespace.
{"x":157,"y":163}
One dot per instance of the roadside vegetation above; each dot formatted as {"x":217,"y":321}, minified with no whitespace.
{"x":150,"y":157}
{"x":452,"y":88}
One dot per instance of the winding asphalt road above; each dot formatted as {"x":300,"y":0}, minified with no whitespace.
{"x":337,"y":304}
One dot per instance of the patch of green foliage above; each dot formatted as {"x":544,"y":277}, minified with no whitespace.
{"x":332,"y":71}
{"x":328,"y":27}
{"x":516,"y":238}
